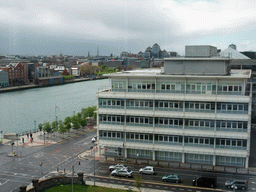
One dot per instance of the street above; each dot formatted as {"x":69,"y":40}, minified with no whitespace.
{"x":41,"y":161}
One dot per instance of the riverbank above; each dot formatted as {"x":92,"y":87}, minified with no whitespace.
{"x":24,"y":87}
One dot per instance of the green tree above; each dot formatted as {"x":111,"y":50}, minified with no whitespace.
{"x":138,"y":181}
{"x":40,"y":126}
{"x":55,"y":125}
{"x":103,"y":67}
{"x":47,"y":127}
{"x":67,"y":123}
{"x":62,"y":128}
{"x":89,"y":111}
{"x":82,"y":120}
{"x":75,"y":121}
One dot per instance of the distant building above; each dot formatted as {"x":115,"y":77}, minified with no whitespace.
{"x":156,"y":50}
{"x":124,"y":54}
{"x":140,"y":55}
{"x":250,"y":54}
{"x":43,"y":72}
{"x":75,"y":71}
{"x":233,"y":46}
{"x":4,"y":80}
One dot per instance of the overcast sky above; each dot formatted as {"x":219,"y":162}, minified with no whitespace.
{"x":75,"y":27}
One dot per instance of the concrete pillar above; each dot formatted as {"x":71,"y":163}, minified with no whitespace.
{"x":80,"y":177}
{"x":247,"y":162}
{"x":125,"y":153}
{"x":23,"y":188}
{"x":154,"y":155}
{"x":183,"y":158}
{"x":99,"y":150}
{"x":214,"y":160}
{"x":35,"y":184}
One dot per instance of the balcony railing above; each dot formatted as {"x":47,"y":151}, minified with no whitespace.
{"x":231,"y":147}
{"x":198,"y":145}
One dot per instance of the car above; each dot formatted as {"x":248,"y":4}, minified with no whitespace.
{"x":118,"y":166}
{"x":147,"y":170}
{"x":122,"y":173}
{"x":237,"y":184}
{"x":205,"y":181}
{"x":94,"y":139}
{"x":172,"y":178}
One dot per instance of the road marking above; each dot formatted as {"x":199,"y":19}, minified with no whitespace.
{"x":112,"y":181}
{"x":119,"y":182}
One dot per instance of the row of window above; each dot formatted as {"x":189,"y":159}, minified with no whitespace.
{"x":240,"y":143}
{"x":159,"y":105}
{"x":189,"y":157}
{"x":180,"y":86}
{"x":172,"y":122}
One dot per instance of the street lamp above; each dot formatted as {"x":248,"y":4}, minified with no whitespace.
{"x":35,"y":124}
{"x":73,"y":172}
{"x":41,"y":165}
{"x":94,"y":164}
{"x":137,"y":156}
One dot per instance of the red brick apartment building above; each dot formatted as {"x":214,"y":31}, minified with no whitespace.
{"x":16,"y":74}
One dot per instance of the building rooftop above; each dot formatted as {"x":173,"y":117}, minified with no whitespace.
{"x":156,"y":72}
{"x":232,"y":54}
{"x":196,"y":58}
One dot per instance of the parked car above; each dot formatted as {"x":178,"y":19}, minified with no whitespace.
{"x":172,"y":178}
{"x":147,"y":170}
{"x":205,"y":181}
{"x":118,"y":166}
{"x":237,"y":184}
{"x":122,"y":173}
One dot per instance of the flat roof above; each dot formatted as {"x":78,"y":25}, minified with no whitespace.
{"x":196,"y":58}
{"x":156,"y":72}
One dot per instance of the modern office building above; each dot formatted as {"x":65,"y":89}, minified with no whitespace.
{"x":193,"y":110}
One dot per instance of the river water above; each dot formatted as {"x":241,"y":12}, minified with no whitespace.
{"x":20,"y":111}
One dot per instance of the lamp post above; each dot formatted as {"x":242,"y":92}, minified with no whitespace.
{"x":137,"y":156}
{"x":94,"y":164}
{"x":44,"y":137}
{"x":35,"y":124}
{"x":73,"y":172}
{"x":41,"y":165}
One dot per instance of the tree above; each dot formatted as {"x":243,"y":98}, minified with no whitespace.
{"x":138,"y":181}
{"x":89,"y":111}
{"x":67,"y":123}
{"x":40,"y":126}
{"x":47,"y":127}
{"x":75,"y":122}
{"x":62,"y":128}
{"x":82,"y":120}
{"x":55,"y":125}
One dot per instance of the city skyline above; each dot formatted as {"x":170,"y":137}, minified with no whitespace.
{"x":74,"y":28}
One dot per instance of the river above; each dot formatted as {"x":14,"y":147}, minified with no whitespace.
{"x":22,"y":111}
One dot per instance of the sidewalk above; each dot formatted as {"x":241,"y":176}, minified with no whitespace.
{"x":40,"y":139}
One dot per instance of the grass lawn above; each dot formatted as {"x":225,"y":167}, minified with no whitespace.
{"x":82,"y":188}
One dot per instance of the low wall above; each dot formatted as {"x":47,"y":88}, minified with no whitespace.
{"x":54,"y":181}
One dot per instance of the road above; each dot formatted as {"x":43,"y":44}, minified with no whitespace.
{"x":16,"y":171}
